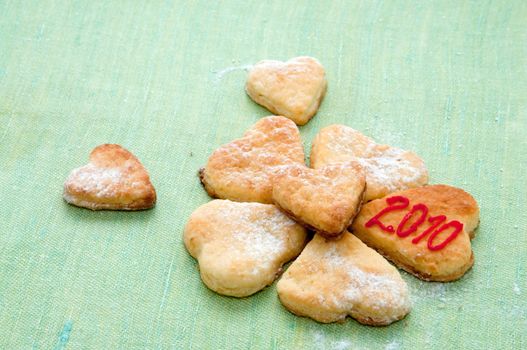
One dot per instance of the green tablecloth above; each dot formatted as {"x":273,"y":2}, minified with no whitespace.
{"x":447,"y":79}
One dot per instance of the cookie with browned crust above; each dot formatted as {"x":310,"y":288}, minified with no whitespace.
{"x":388,"y":169}
{"x":114,"y":179}
{"x":243,"y":170}
{"x":324,"y":199}
{"x":425,"y":231}
{"x":293,"y":89}
{"x":335,"y":278}
{"x":241,"y":247}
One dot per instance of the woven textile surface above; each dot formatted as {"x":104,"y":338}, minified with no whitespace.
{"x":446,"y":79}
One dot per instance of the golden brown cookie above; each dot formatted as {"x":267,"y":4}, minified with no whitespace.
{"x":114,"y":179}
{"x":335,"y":278}
{"x":293,"y":89}
{"x":425,"y":231}
{"x":241,"y":247}
{"x":324,"y":199}
{"x":243,"y":170}
{"x":388,"y":169}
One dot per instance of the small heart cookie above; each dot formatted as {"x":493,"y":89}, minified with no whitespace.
{"x":114,"y":179}
{"x":241,"y":247}
{"x":388,"y":169}
{"x":243,"y":169}
{"x":293,"y":89}
{"x":425,"y":231}
{"x":324,"y":199}
{"x":335,"y":278}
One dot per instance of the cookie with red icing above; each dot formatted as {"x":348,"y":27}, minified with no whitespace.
{"x":425,"y":231}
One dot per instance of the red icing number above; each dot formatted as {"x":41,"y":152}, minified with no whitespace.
{"x":419,"y":211}
{"x":403,"y":203}
{"x":413,"y":227}
{"x":457,"y":229}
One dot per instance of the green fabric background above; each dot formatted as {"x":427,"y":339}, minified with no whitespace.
{"x":447,"y":79}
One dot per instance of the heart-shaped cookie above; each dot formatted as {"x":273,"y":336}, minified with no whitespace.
{"x":388,"y":169}
{"x":241,"y":247}
{"x":324,"y":199}
{"x":293,"y":89}
{"x":243,"y":170}
{"x":425,"y":231}
{"x":335,"y":278}
{"x":114,"y":179}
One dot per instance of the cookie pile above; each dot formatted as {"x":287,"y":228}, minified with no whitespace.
{"x":362,"y":201}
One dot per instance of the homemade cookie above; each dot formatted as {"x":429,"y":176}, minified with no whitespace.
{"x":243,"y":170}
{"x":325,"y":199}
{"x":241,"y":247}
{"x":113,"y":179}
{"x":388,"y":169}
{"x":425,"y":231}
{"x":293,"y":89}
{"x":335,"y":278}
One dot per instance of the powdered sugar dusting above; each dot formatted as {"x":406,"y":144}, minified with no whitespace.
{"x":223,"y":72}
{"x":516,"y":289}
{"x":322,"y":343}
{"x":257,"y":237}
{"x":389,"y":168}
{"x":393,"y":345}
{"x":101,"y":182}
{"x":258,"y":233}
{"x":295,"y":66}
{"x":341,"y":345}
{"x":429,"y":290}
{"x":380,"y":290}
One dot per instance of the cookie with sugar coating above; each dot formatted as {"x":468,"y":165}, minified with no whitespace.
{"x":241,"y":247}
{"x":324,"y":199}
{"x":243,"y":170}
{"x":335,"y":278}
{"x":293,"y":89}
{"x":388,"y":169}
{"x":114,"y":179}
{"x":425,"y":231}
